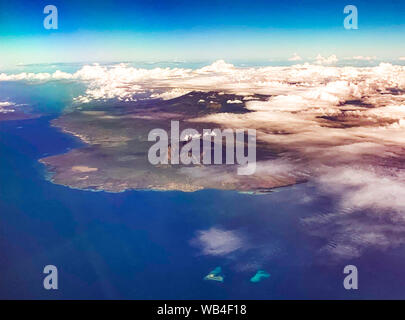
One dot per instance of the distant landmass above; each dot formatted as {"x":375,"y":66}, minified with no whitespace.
{"x":115,"y":157}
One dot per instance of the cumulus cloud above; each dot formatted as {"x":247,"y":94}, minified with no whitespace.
{"x":234,"y":101}
{"x":246,"y":252}
{"x":125,"y":83}
{"x":167,"y":95}
{"x":295,"y":57}
{"x":326,"y":60}
{"x":218,"y":242}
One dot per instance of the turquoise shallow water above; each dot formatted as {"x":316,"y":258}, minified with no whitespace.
{"x":147,"y":245}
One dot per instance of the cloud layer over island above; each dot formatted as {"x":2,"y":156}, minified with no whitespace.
{"x":341,"y":126}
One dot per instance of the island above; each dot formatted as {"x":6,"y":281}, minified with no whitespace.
{"x":259,"y":276}
{"x":215,"y":275}
{"x":115,"y":155}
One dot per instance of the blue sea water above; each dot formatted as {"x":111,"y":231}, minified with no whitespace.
{"x":142,"y":244}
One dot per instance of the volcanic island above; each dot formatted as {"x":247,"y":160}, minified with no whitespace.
{"x":114,"y":157}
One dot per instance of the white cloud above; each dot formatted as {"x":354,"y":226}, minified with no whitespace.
{"x":376,"y":188}
{"x":218,"y":242}
{"x":370,"y":211}
{"x":295,"y":57}
{"x":167,"y":95}
{"x":401,"y":58}
{"x":124,"y":82}
{"x":362,"y":58}
{"x":7,"y":107}
{"x":323,"y":60}
{"x":234,"y":101}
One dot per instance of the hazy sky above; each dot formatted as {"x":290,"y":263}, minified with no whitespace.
{"x":152,"y":30}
